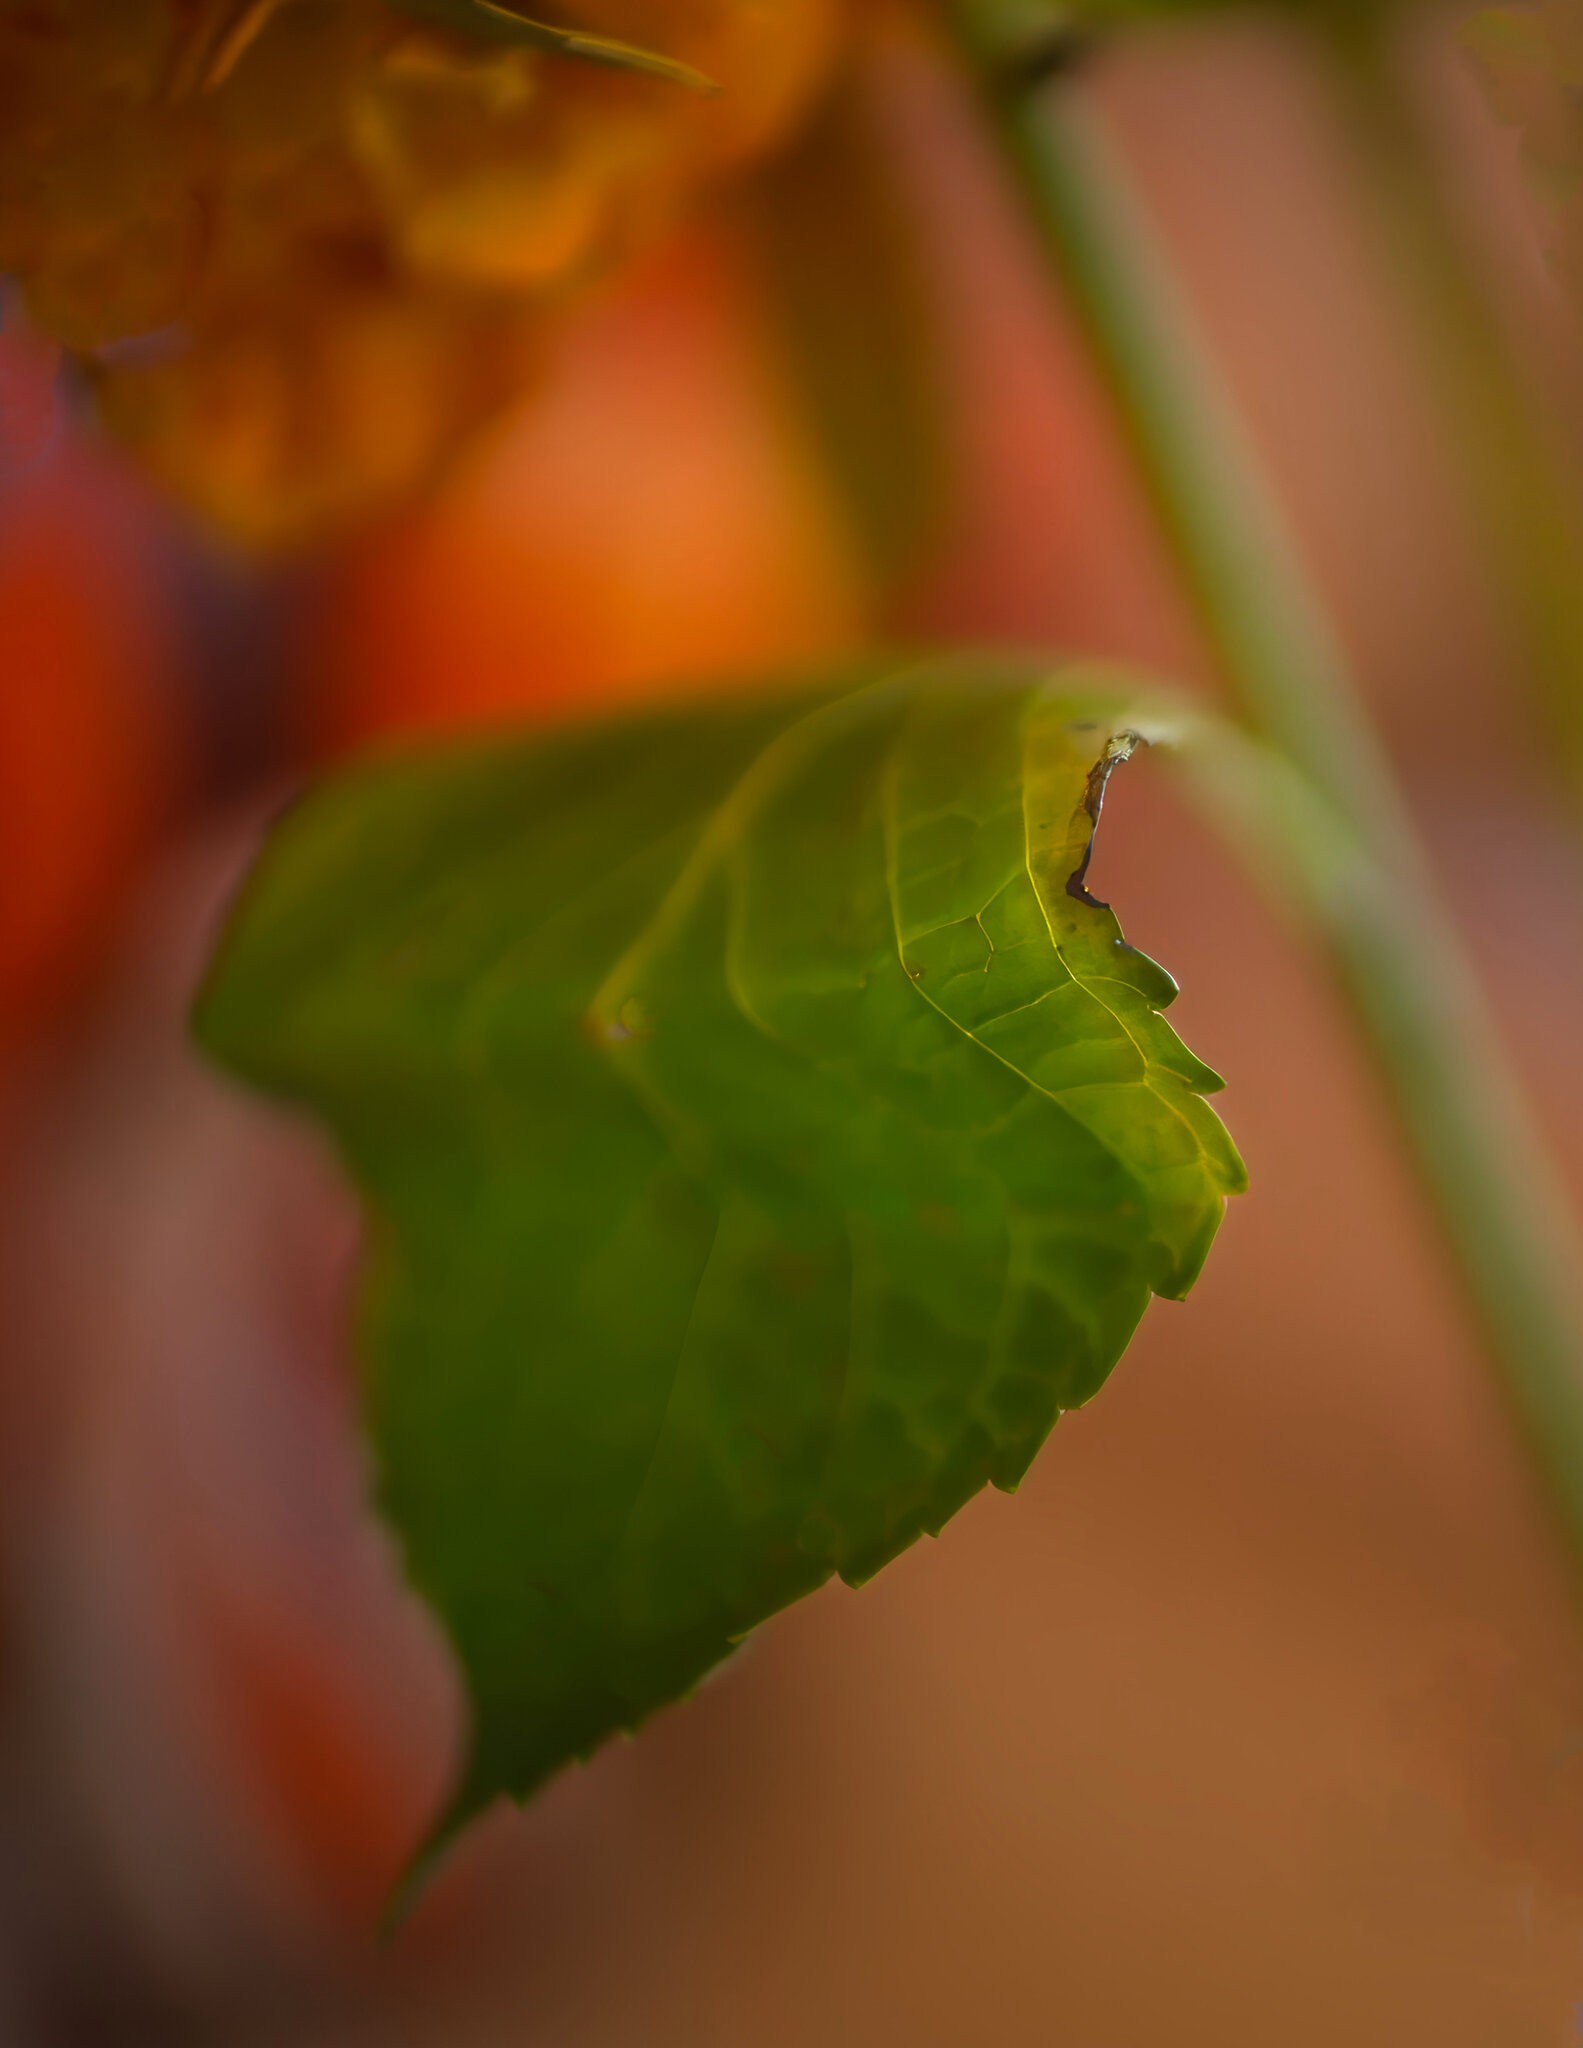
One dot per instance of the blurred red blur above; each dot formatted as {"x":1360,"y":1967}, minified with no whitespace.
{"x":91,"y":744}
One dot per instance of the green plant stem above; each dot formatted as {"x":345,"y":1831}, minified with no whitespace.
{"x":1348,"y":841}
{"x":1527,"y":501}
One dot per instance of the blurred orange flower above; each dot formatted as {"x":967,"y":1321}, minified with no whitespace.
{"x":652,"y":523}
{"x":306,"y":250}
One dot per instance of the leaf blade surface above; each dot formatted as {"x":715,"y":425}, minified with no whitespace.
{"x":765,"y":1137}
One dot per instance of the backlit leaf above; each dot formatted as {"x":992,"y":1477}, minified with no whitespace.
{"x":765,"y":1137}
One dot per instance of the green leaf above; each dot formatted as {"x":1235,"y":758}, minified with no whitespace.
{"x":765,"y":1138}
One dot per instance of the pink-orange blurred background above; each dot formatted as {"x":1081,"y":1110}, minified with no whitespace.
{"x":1257,"y":1717}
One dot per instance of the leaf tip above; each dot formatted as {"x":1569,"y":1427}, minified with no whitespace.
{"x":470,"y":1799}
